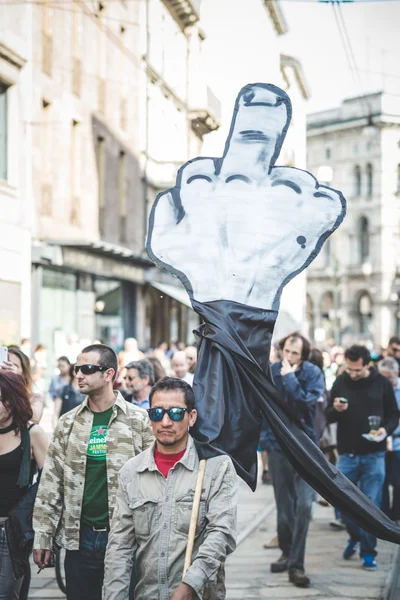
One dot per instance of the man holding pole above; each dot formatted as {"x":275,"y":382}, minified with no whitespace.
{"x":161,"y":492}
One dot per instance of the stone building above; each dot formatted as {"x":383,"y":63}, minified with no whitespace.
{"x":15,"y":180}
{"x":104,"y":101}
{"x":354,"y":285}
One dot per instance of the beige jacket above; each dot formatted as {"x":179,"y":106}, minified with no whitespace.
{"x":63,"y":479}
{"x":152,"y":517}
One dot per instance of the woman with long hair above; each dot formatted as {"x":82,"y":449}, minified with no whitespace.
{"x":23,"y":448}
{"x":19,"y":363}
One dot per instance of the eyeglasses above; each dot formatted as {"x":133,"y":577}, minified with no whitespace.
{"x":175,"y":414}
{"x":89,"y":369}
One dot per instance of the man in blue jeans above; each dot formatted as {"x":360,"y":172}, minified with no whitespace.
{"x":364,"y":406}
{"x":300,"y":384}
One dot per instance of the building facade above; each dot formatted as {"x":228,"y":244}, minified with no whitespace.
{"x":15,"y":181}
{"x":354,"y":285}
{"x":117,"y":113}
{"x":104,"y":102}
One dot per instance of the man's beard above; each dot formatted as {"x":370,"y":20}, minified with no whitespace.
{"x":167,"y":443}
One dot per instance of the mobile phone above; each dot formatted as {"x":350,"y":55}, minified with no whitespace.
{"x":3,"y":354}
{"x":343,"y":401}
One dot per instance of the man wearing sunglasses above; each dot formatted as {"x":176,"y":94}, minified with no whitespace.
{"x":76,"y":496}
{"x":153,"y":510}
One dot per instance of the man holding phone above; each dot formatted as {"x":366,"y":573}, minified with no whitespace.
{"x":364,"y":407}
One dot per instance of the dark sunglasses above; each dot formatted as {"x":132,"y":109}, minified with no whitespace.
{"x":175,"y":414}
{"x":89,"y":369}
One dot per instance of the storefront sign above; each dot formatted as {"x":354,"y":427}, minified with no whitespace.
{"x":100,"y":265}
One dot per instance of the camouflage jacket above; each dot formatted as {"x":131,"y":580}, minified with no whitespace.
{"x":58,"y":505}
{"x":152,"y":517}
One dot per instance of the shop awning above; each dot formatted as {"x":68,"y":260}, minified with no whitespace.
{"x":177,"y":293}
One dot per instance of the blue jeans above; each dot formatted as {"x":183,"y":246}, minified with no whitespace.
{"x":84,"y":568}
{"x":9,"y":587}
{"x":366,"y":471}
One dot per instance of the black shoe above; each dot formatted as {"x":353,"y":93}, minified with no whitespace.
{"x":299,"y":578}
{"x":280,"y":565}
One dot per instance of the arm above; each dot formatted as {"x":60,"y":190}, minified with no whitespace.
{"x":50,"y":495}
{"x":120,"y":549}
{"x":39,"y":444}
{"x":390,"y":410}
{"x":220,"y":534}
{"x":309,"y":394}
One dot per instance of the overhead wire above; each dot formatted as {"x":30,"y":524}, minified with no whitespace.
{"x":349,"y":53}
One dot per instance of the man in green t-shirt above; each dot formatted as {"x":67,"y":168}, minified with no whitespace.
{"x":80,"y":478}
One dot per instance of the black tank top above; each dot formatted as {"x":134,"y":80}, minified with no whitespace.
{"x":11,"y":494}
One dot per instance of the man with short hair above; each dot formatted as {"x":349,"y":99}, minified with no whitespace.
{"x":300,"y":384}
{"x":80,"y":477}
{"x":191,"y":356}
{"x":393,"y":349}
{"x":388,"y":367}
{"x":364,"y":407}
{"x":180,"y":367}
{"x":139,"y":379}
{"x":154,"y":504}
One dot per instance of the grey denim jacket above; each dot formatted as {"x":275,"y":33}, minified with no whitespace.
{"x":152,"y":516}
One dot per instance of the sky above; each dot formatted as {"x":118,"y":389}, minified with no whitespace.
{"x":314,"y":38}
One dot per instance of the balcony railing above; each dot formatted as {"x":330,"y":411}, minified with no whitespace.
{"x":185,"y":12}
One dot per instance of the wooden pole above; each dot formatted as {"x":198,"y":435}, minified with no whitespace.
{"x":194,"y":516}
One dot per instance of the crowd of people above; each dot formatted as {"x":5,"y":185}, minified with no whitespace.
{"x":115,"y":485}
{"x":348,"y":403}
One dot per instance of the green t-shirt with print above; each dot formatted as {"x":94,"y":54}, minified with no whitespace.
{"x":95,"y":495}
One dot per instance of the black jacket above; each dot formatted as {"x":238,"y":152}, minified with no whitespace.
{"x":372,"y":395}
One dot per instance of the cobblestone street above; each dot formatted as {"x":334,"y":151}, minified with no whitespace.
{"x":248,"y":574}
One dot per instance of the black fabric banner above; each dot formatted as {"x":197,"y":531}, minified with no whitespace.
{"x":234,"y":388}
